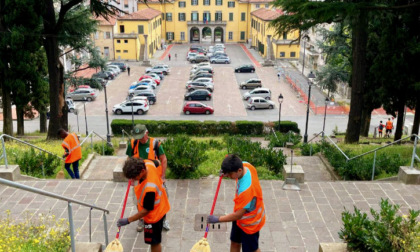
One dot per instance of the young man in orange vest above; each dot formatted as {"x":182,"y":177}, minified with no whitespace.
{"x":249,"y":215}
{"x":152,"y":200}
{"x":380,"y":128}
{"x":147,"y":147}
{"x":389,"y":126}
{"x":73,"y":152}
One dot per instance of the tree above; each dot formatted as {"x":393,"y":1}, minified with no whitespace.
{"x":40,"y":90}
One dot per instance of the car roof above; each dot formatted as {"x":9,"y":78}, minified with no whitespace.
{"x":195,"y":102}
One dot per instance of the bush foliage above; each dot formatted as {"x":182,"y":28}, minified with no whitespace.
{"x":32,"y":162}
{"x":280,"y":139}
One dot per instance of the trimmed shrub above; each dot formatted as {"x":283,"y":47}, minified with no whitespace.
{"x":103,"y":147}
{"x":280,"y":139}
{"x":286,"y":126}
{"x":249,"y":128}
{"x":31,"y":163}
{"x":306,"y":149}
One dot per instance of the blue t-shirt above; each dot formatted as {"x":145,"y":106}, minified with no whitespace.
{"x":243,"y":184}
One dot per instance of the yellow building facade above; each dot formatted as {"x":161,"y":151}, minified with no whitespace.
{"x":104,"y":37}
{"x":282,"y":46}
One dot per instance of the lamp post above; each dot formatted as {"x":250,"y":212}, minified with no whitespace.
{"x":84,"y":108}
{"x":130,"y":96}
{"x":76,"y":112}
{"x":280,"y":102}
{"x":108,"y":136}
{"x":325,"y":115}
{"x":311,"y":76}
{"x":305,"y":39}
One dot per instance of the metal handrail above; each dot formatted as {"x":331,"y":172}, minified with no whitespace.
{"x":123,"y":137}
{"x":70,"y":209}
{"x":315,"y":136}
{"x":91,"y":141}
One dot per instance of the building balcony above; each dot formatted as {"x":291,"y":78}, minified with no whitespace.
{"x":207,"y":23}
{"x":312,"y":53}
{"x":126,"y":35}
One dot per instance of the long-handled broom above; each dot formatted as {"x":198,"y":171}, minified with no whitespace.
{"x":202,"y":245}
{"x":115,"y":245}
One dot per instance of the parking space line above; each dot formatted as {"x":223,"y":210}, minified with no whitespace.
{"x":256,"y":63}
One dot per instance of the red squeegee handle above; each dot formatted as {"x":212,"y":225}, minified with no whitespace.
{"x":214,"y":204}
{"x":125,"y":203}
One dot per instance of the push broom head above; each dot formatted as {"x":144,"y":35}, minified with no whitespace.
{"x":201,"y":246}
{"x":114,"y":246}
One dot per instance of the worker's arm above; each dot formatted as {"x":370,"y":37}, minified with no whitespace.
{"x":233,"y":216}
{"x":164,"y":163}
{"x":138,"y":215}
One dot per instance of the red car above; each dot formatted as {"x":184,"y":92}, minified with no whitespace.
{"x":149,"y":77}
{"x":197,"y":108}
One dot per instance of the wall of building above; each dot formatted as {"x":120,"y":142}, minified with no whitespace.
{"x":126,"y":48}
{"x":104,"y":38}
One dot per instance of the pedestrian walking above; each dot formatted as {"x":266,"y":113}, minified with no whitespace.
{"x":380,"y":128}
{"x":73,"y":152}
{"x":169,"y":56}
{"x":152,"y":200}
{"x":389,"y":126}
{"x":176,"y":56}
{"x":143,"y":146}
{"x":249,"y":215}
{"x":278,"y":75}
{"x":128,"y":70}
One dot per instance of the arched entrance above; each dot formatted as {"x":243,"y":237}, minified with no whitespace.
{"x":194,"y":35}
{"x":206,"y":34}
{"x":218,"y":35}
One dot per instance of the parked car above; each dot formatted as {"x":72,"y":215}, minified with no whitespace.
{"x":138,"y":98}
{"x":144,"y":83}
{"x":201,"y":80}
{"x":150,"y":77}
{"x":251,"y":83}
{"x":117,"y":68}
{"x":112,"y":73}
{"x":259,"y":103}
{"x":149,"y":81}
{"x":137,"y":90}
{"x":155,"y":76}
{"x":245,"y":68}
{"x":204,"y":69}
{"x":123,"y":66}
{"x":197,"y":108}
{"x":83,"y":94}
{"x":103,"y":75}
{"x":201,"y":75}
{"x":93,"y":82}
{"x":219,"y":46}
{"x":225,"y":60}
{"x":195,"y":47}
{"x":191,"y":55}
{"x":201,"y":94}
{"x":200,"y":85}
{"x":138,"y":106}
{"x":218,"y":55}
{"x":70,"y":105}
{"x":211,"y":49}
{"x":198,"y":68}
{"x":151,"y":97}
{"x":159,"y":68}
{"x":199,"y":58}
{"x":112,"y":70}
{"x":206,"y":63}
{"x":258,"y":92}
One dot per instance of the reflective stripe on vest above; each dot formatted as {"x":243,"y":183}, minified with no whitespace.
{"x":252,"y":216}
{"x":256,"y":222}
{"x":76,"y":140}
{"x":142,"y":192}
{"x":151,"y":154}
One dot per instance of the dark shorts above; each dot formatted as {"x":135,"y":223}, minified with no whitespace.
{"x":388,"y":130}
{"x":249,"y":241}
{"x":153,"y":232}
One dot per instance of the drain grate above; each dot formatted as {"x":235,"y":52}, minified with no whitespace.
{"x":200,"y":223}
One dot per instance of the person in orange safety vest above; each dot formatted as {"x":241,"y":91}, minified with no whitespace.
{"x":389,"y":126}
{"x":73,"y":152}
{"x":152,"y":200}
{"x":249,"y":213}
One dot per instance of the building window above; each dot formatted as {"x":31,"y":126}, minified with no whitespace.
{"x":206,"y":2}
{"x":181,"y":16}
{"x":218,"y":16}
{"x":231,"y":4}
{"x":118,"y":51}
{"x":194,"y":2}
{"x":169,"y":16}
{"x":118,"y":41}
{"x":206,"y":16}
{"x":121,"y":28}
{"x":182,"y":35}
{"x":181,"y":4}
{"x":125,"y":41}
{"x":141,"y":29}
{"x":242,"y":35}
{"x":125,"y":51}
{"x":231,"y":16}
{"x":194,"y":16}
{"x":257,"y":6}
{"x":292,"y":54}
{"x":169,"y":36}
{"x":282,"y":54}
{"x":243,"y":16}
{"x":284,"y":35}
{"x":96,"y":35}
{"x":219,"y":2}
{"x":126,"y":6}
{"x":163,"y":16}
{"x":230,"y":35}
{"x":266,"y":6}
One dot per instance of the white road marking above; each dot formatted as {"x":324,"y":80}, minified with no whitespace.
{"x":169,"y":100}
{"x":230,"y":112}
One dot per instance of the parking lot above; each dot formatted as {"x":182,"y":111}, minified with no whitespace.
{"x":226,"y":99}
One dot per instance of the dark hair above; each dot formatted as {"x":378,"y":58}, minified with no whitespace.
{"x":60,"y":130}
{"x":133,"y":167}
{"x":231,"y":163}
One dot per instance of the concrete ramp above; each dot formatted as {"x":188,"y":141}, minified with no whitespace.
{"x":314,"y":168}
{"x":102,"y":167}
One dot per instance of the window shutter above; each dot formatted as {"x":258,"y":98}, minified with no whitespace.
{"x":192,"y":17}
{"x":192,"y":2}
{"x":179,"y":16}
{"x":198,"y":16}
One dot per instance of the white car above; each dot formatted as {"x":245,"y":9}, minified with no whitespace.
{"x":149,"y":81}
{"x":219,"y":46}
{"x":204,"y":68}
{"x":137,"y":106}
{"x":202,"y":64}
{"x":200,"y":80}
{"x":211,"y":49}
{"x":138,"y":98}
{"x":139,"y":89}
{"x":155,"y":76}
{"x":159,"y":68}
{"x":258,"y":92}
{"x":117,"y":68}
{"x":191,"y":55}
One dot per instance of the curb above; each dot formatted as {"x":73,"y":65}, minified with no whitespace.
{"x":86,"y":163}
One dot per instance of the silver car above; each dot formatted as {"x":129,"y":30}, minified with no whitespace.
{"x":259,"y":103}
{"x":83,"y":94}
{"x":199,"y":85}
{"x":223,"y":60}
{"x":258,"y":92}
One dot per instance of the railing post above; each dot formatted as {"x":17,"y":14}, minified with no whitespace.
{"x":42,"y":165}
{"x":105,"y":228}
{"x":4,"y":152}
{"x":73,"y":242}
{"x":91,"y":143}
{"x":414,"y":152}
{"x":310,"y":150}
{"x":90,"y":225}
{"x":373,"y":168}
{"x":103,"y":148}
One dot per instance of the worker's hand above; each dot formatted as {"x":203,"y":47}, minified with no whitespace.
{"x":65,"y":155}
{"x":212,"y":219}
{"x":122,"y":222}
{"x":163,"y":179}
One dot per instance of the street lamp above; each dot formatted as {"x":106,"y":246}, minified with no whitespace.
{"x":76,"y":112}
{"x":108,"y":136}
{"x":130,"y":97}
{"x":280,"y":102}
{"x":305,"y":39}
{"x":325,"y":115}
{"x":311,"y":77}
{"x":84,"y":108}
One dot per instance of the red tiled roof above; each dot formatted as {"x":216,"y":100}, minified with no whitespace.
{"x":267,"y":14}
{"x":145,"y":14}
{"x":102,"y":21}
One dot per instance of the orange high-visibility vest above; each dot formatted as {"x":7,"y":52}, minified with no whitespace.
{"x":389,"y":125}
{"x":72,"y":143}
{"x":151,"y":156}
{"x":251,"y":222}
{"x":152,"y":183}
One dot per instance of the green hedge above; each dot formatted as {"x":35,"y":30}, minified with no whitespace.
{"x":199,"y":128}
{"x":287,"y":126}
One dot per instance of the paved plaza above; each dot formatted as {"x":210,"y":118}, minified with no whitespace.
{"x":296,"y":221}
